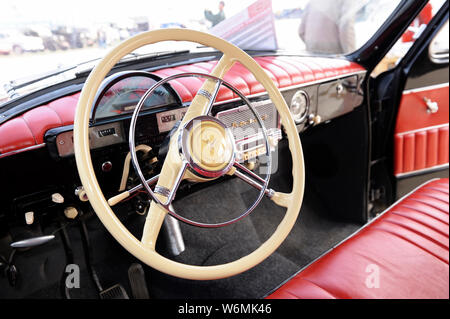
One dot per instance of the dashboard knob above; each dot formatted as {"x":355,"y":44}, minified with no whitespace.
{"x":339,"y":89}
{"x":107,"y":166}
{"x":273,"y":142}
{"x":317,"y":119}
{"x":29,"y":218}
{"x":314,"y":119}
{"x":81,"y":193}
{"x":57,"y":198}
{"x":250,"y":165}
{"x":70,"y":212}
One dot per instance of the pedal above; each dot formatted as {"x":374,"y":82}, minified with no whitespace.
{"x":138,"y":284}
{"x":115,"y":292}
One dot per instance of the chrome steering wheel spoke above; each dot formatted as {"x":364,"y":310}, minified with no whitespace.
{"x":252,"y":179}
{"x":170,"y":193}
{"x":163,"y":196}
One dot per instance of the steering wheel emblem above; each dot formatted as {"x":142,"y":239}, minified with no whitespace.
{"x":208,"y":146}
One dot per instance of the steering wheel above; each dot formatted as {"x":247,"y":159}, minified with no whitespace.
{"x":174,"y":168}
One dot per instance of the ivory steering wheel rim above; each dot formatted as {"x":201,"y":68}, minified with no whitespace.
{"x":145,"y":250}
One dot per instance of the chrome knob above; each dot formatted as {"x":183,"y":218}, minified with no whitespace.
{"x":107,"y":166}
{"x":339,"y":89}
{"x":314,"y":119}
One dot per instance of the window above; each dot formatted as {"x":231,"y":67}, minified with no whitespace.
{"x":398,"y":51}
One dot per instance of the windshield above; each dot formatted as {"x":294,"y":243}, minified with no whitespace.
{"x":47,"y":38}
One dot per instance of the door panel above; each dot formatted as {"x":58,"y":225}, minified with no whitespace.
{"x":421,"y":136}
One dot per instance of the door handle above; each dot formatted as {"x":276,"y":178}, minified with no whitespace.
{"x":432,"y":107}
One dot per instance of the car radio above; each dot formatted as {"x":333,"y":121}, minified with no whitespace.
{"x":247,"y":131}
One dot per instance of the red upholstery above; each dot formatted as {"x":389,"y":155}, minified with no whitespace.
{"x":421,"y":138}
{"x":421,"y":149}
{"x":29,"y":129}
{"x":408,"y":246}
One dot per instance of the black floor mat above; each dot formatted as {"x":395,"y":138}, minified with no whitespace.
{"x":313,"y":234}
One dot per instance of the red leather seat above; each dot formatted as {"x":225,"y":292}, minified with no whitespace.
{"x":404,"y":253}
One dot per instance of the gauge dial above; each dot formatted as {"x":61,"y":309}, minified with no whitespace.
{"x":121,"y":92}
{"x":299,"y":106}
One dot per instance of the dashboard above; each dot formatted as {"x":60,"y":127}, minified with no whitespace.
{"x":312,"y":103}
{"x":119,"y":94}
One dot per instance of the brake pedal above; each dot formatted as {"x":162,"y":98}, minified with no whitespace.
{"x":138,"y":284}
{"x":115,"y":292}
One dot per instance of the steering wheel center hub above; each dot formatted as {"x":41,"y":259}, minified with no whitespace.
{"x":208,"y":146}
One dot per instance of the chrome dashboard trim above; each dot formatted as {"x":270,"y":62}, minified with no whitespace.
{"x":205,"y":94}
{"x":99,"y":136}
{"x":296,"y":86}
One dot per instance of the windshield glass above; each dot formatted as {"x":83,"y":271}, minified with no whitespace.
{"x":47,"y":38}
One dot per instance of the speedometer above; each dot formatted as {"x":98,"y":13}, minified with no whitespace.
{"x":121,"y":92}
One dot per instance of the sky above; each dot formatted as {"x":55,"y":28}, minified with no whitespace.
{"x":78,"y":12}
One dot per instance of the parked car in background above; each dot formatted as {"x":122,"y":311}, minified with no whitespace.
{"x":5,"y":44}
{"x":52,"y":42}
{"x":21,"y":43}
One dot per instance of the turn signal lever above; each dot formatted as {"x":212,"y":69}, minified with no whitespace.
{"x":32,"y":242}
{"x":118,"y":198}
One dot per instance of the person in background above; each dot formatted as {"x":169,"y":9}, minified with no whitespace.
{"x":328,"y":26}
{"x":101,"y":38}
{"x":216,"y":18}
